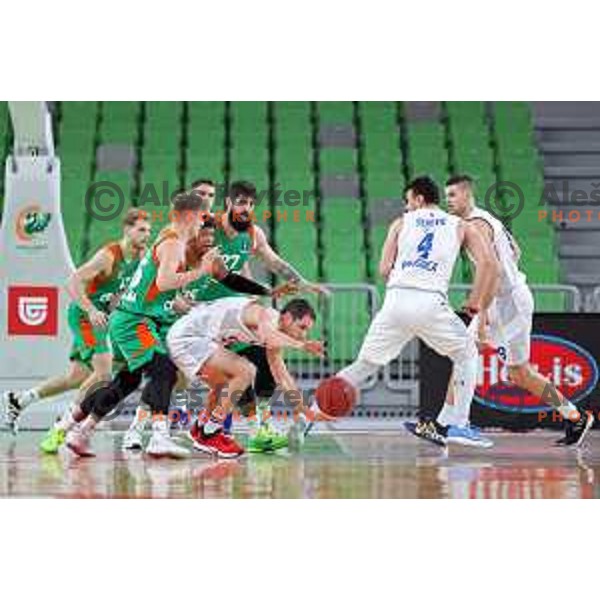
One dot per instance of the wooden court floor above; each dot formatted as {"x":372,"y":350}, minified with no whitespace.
{"x":333,"y":464}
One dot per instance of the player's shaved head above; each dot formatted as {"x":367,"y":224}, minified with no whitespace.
{"x":464,"y":180}
{"x":459,"y":194}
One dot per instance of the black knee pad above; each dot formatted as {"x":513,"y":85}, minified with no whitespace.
{"x":103,"y":397}
{"x":161,"y":375}
{"x":264,"y":383}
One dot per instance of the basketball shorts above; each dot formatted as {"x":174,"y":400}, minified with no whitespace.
{"x":510,"y":321}
{"x":135,"y":338}
{"x":87,"y":340}
{"x":409,"y":313}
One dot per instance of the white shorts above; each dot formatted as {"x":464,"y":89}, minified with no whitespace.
{"x":408,"y":313}
{"x":510,"y":319}
{"x":189,"y":352}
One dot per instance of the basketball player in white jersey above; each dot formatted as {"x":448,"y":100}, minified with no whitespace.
{"x":417,"y":262}
{"x":507,"y":323}
{"x":197,"y":345}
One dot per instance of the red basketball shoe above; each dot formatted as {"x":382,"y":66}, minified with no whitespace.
{"x":217,"y":443}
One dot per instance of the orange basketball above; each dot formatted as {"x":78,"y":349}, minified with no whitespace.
{"x":336,"y":397}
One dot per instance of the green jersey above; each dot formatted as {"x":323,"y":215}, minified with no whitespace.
{"x":104,"y":289}
{"x":143,"y":296}
{"x":236,"y":252}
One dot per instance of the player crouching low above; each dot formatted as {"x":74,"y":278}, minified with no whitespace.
{"x":197,"y":346}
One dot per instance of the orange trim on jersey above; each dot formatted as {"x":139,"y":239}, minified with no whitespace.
{"x":115,"y":250}
{"x":153,"y":291}
{"x":87,"y":333}
{"x":165,"y":234}
{"x":145,"y":336}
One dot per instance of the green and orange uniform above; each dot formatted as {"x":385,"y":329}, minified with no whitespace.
{"x":139,"y":325}
{"x":102,"y":291}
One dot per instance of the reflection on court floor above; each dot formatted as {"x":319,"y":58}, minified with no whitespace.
{"x":342,"y":464}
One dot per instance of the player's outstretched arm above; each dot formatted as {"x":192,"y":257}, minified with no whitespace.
{"x":101,"y":262}
{"x":265,"y":320}
{"x":390,"y":249}
{"x":487,"y":269}
{"x":280,"y":267}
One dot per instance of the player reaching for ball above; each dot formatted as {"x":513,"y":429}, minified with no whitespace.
{"x":198,"y":345}
{"x":417,"y":261}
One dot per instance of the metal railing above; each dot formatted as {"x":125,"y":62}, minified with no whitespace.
{"x":568,"y":293}
{"x":342,"y":322}
{"x":596,"y":299}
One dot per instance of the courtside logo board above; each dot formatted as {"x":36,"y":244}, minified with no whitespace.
{"x":32,"y":310}
{"x":570,"y":368}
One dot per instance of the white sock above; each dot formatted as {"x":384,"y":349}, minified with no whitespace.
{"x":465,"y":380}
{"x":159,"y":426}
{"x":87,"y":426}
{"x":447,"y":415}
{"x":66,"y":422}
{"x":358,"y":372}
{"x":568,"y":410}
{"x":263,"y":412}
{"x":28,"y":397}
{"x":140,"y":419}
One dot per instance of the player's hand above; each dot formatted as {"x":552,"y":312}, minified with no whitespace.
{"x":314,"y":413}
{"x":98,"y":319}
{"x":314,"y":347}
{"x":181,"y":306}
{"x":315,"y":288}
{"x":211,"y":262}
{"x":285,"y":289}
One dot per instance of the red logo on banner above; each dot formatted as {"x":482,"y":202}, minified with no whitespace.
{"x":32,"y":310}
{"x":569,"y":367}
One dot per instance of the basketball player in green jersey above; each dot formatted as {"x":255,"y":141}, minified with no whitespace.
{"x":95,"y":287}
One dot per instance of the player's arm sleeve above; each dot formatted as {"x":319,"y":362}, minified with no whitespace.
{"x":243,"y":285}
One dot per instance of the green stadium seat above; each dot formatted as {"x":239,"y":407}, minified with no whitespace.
{"x":335,"y":113}
{"x":344,"y":256}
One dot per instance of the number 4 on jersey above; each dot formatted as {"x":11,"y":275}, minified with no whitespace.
{"x":425,"y":245}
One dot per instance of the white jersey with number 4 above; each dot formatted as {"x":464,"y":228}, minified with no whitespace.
{"x":506,"y":251}
{"x":428,"y":246}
